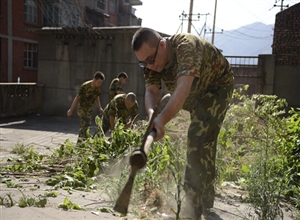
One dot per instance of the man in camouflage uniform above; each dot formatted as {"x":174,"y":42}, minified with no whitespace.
{"x":200,"y":81}
{"x":88,"y":94}
{"x":116,"y":84}
{"x":122,"y":107}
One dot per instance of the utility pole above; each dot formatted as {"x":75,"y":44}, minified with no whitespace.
{"x":213,"y":32}
{"x":190,"y":16}
{"x":281,"y":5}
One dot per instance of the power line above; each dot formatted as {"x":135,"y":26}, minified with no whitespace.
{"x":281,"y":5}
{"x":188,"y":17}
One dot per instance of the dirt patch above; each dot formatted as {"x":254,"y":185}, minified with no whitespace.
{"x":228,"y":204}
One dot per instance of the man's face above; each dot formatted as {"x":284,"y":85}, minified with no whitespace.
{"x":147,"y":54}
{"x":129,"y":104}
{"x":122,"y":80}
{"x":97,"y":82}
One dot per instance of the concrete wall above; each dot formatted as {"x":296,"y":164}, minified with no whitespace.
{"x":247,"y":75}
{"x":286,"y":84}
{"x":266,"y":69}
{"x":65,"y":63}
{"x":280,"y":80}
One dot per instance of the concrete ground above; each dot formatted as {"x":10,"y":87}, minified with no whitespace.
{"x":45,"y":133}
{"x":40,"y":131}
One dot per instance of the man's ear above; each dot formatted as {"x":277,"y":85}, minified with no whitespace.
{"x":163,"y":43}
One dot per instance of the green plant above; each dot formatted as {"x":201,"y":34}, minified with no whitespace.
{"x":289,"y":147}
{"x":69,"y":205}
{"x":177,"y":164}
{"x":51,"y":194}
{"x":256,"y":143}
{"x":26,"y":201}
{"x":19,"y":149}
{"x":10,"y":184}
{"x":28,"y":161}
{"x":7,"y":200}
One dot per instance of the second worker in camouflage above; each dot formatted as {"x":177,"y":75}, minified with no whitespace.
{"x":123,"y":107}
{"x":116,"y":85}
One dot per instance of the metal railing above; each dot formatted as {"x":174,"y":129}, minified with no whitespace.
{"x":20,"y":99}
{"x":242,"y":61}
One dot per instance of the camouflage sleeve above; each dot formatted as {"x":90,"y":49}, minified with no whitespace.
{"x":151,"y":78}
{"x":81,"y":91}
{"x":112,"y":108}
{"x":118,"y":87}
{"x":135,"y":111}
{"x":113,"y":86}
{"x":187,"y":55}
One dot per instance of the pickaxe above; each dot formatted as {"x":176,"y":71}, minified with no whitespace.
{"x":138,"y":160}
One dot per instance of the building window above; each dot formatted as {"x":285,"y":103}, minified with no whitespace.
{"x":101,"y":4}
{"x":73,"y":15}
{"x":62,"y":14}
{"x":51,"y":15}
{"x":30,"y":11}
{"x":30,"y":55}
{"x":112,"y":6}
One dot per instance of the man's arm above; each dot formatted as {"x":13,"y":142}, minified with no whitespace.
{"x":152,"y":98}
{"x":112,"y":122}
{"x":74,"y":103}
{"x":128,"y":124}
{"x":175,"y":103}
{"x":99,"y":105}
{"x":119,"y":91}
{"x":134,"y":114}
{"x":112,"y":112}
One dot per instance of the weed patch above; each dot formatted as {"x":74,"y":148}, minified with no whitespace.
{"x":258,"y":149}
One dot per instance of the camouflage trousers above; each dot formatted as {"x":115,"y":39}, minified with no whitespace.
{"x":85,"y":123}
{"x":206,"y":120}
{"x":105,"y":124}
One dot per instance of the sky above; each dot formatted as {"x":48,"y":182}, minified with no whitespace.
{"x":163,"y":15}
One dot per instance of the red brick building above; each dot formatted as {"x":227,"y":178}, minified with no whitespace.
{"x":19,"y":45}
{"x":286,"y":41}
{"x":18,"y":48}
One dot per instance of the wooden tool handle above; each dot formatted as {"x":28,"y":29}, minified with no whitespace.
{"x":149,"y":141}
{"x":138,"y":157}
{"x":149,"y":128}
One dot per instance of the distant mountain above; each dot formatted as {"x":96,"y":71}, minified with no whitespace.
{"x":248,"y":40}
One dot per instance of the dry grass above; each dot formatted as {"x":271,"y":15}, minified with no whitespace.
{"x":179,"y":124}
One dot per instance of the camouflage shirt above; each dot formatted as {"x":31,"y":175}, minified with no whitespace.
{"x":114,"y":87}
{"x":87,"y":96}
{"x":117,"y":108}
{"x":192,"y":56}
